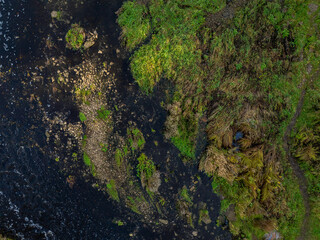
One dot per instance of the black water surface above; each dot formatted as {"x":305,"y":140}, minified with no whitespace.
{"x":35,"y":200}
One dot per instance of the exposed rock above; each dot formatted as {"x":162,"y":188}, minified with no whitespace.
{"x":54,"y":14}
{"x":154,"y":182}
{"x":163,"y":221}
{"x":91,"y":39}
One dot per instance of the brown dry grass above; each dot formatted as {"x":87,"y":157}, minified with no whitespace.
{"x":216,"y":162}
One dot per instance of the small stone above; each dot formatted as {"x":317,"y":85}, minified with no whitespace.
{"x":47,"y":134}
{"x":100,"y":52}
{"x":195,"y":233}
{"x":54,"y":14}
{"x":163,"y":221}
{"x":88,"y":44}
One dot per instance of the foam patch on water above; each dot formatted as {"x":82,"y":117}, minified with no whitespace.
{"x":10,"y":15}
{"x":13,"y":212}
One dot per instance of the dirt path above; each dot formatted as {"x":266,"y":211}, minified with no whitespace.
{"x":303,"y":184}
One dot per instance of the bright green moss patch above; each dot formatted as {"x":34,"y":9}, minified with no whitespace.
{"x":204,"y":216}
{"x":185,"y":195}
{"x":172,"y":51}
{"x":103,"y":113}
{"x":112,"y":191}
{"x":135,"y":23}
{"x":82,"y":117}
{"x":185,"y":146}
{"x":145,"y":167}
{"x":75,"y":37}
{"x":136,"y":139}
{"x":87,"y":161}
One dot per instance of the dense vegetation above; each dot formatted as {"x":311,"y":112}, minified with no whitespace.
{"x":241,"y":68}
{"x":306,"y":147}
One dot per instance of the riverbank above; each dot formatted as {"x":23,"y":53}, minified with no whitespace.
{"x":237,"y":67}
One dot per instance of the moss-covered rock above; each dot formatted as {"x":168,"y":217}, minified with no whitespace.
{"x":75,"y":37}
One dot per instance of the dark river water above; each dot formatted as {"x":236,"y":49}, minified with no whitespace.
{"x":35,"y":199}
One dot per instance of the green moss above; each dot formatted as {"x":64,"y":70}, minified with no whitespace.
{"x":134,"y":203}
{"x":112,"y":191}
{"x":84,"y":141}
{"x":82,"y":117}
{"x":185,"y":146}
{"x":104,"y":147}
{"x":135,"y":23}
{"x":83,"y":94}
{"x":75,"y":37}
{"x":119,"y":223}
{"x":135,"y":139}
{"x":185,"y":195}
{"x":103,"y":113}
{"x":119,"y":157}
{"x":145,"y":167}
{"x":172,"y":51}
{"x":75,"y":156}
{"x":87,"y":161}
{"x":204,"y":216}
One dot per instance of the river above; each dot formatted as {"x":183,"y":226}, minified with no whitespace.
{"x":36,"y":201}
